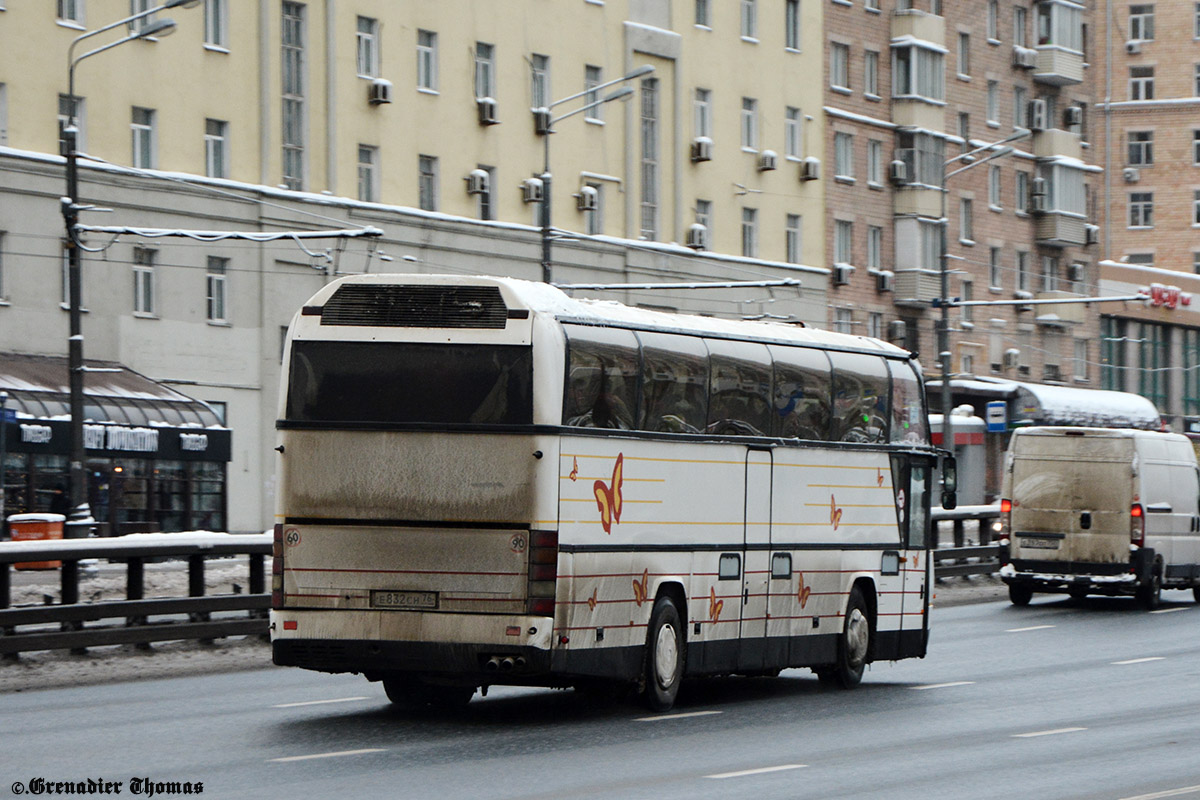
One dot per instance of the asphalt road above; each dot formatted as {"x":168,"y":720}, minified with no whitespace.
{"x":1095,"y":699}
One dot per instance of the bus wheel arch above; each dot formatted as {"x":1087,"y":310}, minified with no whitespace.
{"x":665,"y":659}
{"x":856,"y":641}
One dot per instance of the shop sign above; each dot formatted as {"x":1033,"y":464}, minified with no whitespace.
{"x":130,"y":440}
{"x":194,"y":442}
{"x":1167,"y":296}
{"x":36,"y":434}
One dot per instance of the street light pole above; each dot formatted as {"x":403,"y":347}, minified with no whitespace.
{"x":546,"y":127}
{"x":77,"y":477}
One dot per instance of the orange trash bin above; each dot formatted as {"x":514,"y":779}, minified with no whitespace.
{"x":36,"y":527}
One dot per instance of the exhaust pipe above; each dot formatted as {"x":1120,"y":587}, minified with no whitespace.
{"x":492,"y":665}
{"x":507,"y":664}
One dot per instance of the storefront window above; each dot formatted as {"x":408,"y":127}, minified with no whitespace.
{"x":170,"y":495}
{"x":208,"y":496}
{"x":50,"y":479}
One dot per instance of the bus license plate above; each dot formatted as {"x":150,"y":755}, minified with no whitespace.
{"x":1039,"y":543}
{"x":388,"y":598}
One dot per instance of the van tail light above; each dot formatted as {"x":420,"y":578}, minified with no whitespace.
{"x":1137,"y":525}
{"x":543,"y":572}
{"x":277,"y":567}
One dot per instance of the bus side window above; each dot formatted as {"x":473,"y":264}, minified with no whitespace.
{"x":739,"y":399}
{"x":860,"y":398}
{"x":602,"y":378}
{"x":802,"y":392}
{"x":909,"y":421}
{"x":674,"y":383}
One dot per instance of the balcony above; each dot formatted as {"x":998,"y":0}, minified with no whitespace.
{"x":923,"y":26}
{"x":917,"y":287}
{"x":1057,"y":229}
{"x":1058,"y":67}
{"x":1055,"y":142}
{"x":917,"y":200}
{"x":1059,"y":314}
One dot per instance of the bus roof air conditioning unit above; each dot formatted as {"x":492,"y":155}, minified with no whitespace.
{"x":477,"y":181}
{"x":588,"y":198}
{"x":767,"y":160}
{"x":531,"y":190}
{"x":487,"y":110}
{"x":697,"y":236}
{"x":810,"y":169}
{"x":701,"y":149}
{"x":379,"y":91}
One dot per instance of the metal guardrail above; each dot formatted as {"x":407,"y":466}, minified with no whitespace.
{"x":130,"y":621}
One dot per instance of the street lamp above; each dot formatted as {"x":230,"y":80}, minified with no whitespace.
{"x":995,"y":150}
{"x":545,"y":126}
{"x":70,"y":211}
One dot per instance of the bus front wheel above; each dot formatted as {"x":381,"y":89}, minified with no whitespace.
{"x":664,"y":655}
{"x":853,"y":646}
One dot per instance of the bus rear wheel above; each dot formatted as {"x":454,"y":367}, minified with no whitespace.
{"x":854,"y":645}
{"x":409,"y":693}
{"x":665,"y":655}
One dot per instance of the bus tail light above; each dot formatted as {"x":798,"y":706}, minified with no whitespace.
{"x":1137,"y":525}
{"x":543,"y":572}
{"x":277,"y":567}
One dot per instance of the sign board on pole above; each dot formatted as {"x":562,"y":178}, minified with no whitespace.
{"x":997,"y":416}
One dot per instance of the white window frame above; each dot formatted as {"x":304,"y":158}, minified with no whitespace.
{"x":919,"y":72}
{"x":871,"y":74}
{"x":593,"y":76}
{"x":1140,"y":152}
{"x":216,"y":24}
{"x":217,"y":289}
{"x":1020,"y":26}
{"x":1021,"y":184}
{"x":1020,"y":107}
{"x":993,"y":21}
{"x":216,"y":148}
{"x":874,"y":247}
{"x":142,"y":134}
{"x":964,"y":55}
{"x":995,"y":270}
{"x":749,"y":124}
{"x":427,"y":61}
{"x":143,"y":281}
{"x":368,"y":173}
{"x":485,"y":70}
{"x":702,"y":113}
{"x":539,"y":81}
{"x":749,"y":232}
{"x":1141,"y":85}
{"x":1141,"y":209}
{"x":68,"y":11}
{"x":749,"y":20}
{"x":427,"y":182}
{"x":366,"y":47}
{"x":843,"y":241}
{"x":791,"y":25}
{"x":874,"y":162}
{"x":843,"y":156}
{"x":966,"y":221}
{"x":1141,"y":22}
{"x":839,"y":67}
{"x":793,"y":128}
{"x":1023,"y":276}
{"x":994,"y":187}
{"x":993,"y":104}
{"x":593,"y":219}
{"x":703,"y":14}
{"x":794,"y":239}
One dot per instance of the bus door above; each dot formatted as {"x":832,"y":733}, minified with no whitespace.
{"x":912,"y":476}
{"x":757,"y":554}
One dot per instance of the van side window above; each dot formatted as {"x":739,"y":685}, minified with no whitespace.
{"x":602,"y":378}
{"x":674,"y":383}
{"x":739,"y":401}
{"x":802,"y":393}
{"x":860,"y":398}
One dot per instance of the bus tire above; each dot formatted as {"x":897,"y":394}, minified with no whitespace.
{"x":409,"y":694}
{"x":854,"y":645}
{"x":1020,"y":594}
{"x":1149,"y":594}
{"x":665,"y":655}
{"x":1196,"y":592}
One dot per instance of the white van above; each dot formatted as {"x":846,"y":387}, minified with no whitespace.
{"x":1099,"y":511}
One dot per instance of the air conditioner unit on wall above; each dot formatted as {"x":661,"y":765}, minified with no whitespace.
{"x":841,"y":274}
{"x":477,"y":181}
{"x":541,"y":121}
{"x":588,"y":199}
{"x":1075,"y":272}
{"x":898,"y":172}
{"x":1131,"y":174}
{"x":1012,"y":356}
{"x":1091,"y":234}
{"x":701,"y":149}
{"x":487,"y":110}
{"x":1073,"y":117}
{"x":379,"y":91}
{"x":885,"y":280}
{"x":767,"y":160}
{"x":531,"y":190}
{"x":1037,"y":115}
{"x":1024,"y":57}
{"x":1133,"y":47}
{"x":810,"y":169}
{"x":697,"y":236}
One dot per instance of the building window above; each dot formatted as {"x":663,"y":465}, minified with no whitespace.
{"x":1049,"y":273}
{"x":791,"y":24}
{"x":66,"y":112}
{"x":843,"y":320}
{"x":427,"y":61}
{"x":964,"y":131}
{"x":1154,"y":377}
{"x":1145,"y":259}
{"x":875,"y":324}
{"x":994,"y":188}
{"x":750,"y":232}
{"x":1141,"y":148}
{"x":874,"y":247}
{"x":1191,"y":377}
{"x":1065,"y":190}
{"x":843,"y":237}
{"x":793,"y":124}
{"x":2,"y":265}
{"x":704,"y":214}
{"x":1196,"y":148}
{"x":427,"y":183}
{"x":1141,"y":23}
{"x":1141,"y":209}
{"x":871,"y":74}
{"x":486,"y":207}
{"x":142,"y":127}
{"x":593,"y":219}
{"x":702,"y":106}
{"x":843,"y":156}
{"x":649,"y":172}
{"x":1079,"y":364}
{"x":216,"y":148}
{"x":592,"y":77}
{"x":1196,"y":208}
{"x":1196,"y":81}
{"x":1022,"y":271}
{"x":367,"y":47}
{"x":874,"y":162}
{"x":1021,"y":201}
{"x":68,"y":11}
{"x":749,"y":19}
{"x":993,"y":103}
{"x":139,"y":7}
{"x":1020,"y":107}
{"x":143,"y":280}
{"x":967,"y":292}
{"x":871,"y":5}
{"x":1141,"y":83}
{"x":368,"y":173}
{"x":966,"y":222}
{"x":216,"y":278}
{"x":539,"y":81}
{"x":930,"y":255}
{"x":839,"y":66}
{"x":995,"y":276}
{"x":794,"y":239}
{"x":1020,"y":26}
{"x":1060,"y":24}
{"x":749,"y":123}
{"x":293,"y":95}
{"x":1112,"y":353}
{"x":923,"y":154}
{"x":964,"y":55}
{"x":918,"y":72}
{"x":485,"y":70}
{"x":216,"y":23}
{"x":703,"y":15}
{"x":993,"y":21}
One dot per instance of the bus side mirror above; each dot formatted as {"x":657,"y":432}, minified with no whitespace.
{"x":949,"y":483}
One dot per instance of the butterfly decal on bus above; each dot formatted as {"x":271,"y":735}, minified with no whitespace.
{"x":608,"y":496}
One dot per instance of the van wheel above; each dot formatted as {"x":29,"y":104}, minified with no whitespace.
{"x":1020,"y":594}
{"x":1149,"y":594}
{"x":665,"y":655}
{"x":853,"y":646}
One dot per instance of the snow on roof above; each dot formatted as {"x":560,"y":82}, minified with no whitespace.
{"x":1067,"y":405}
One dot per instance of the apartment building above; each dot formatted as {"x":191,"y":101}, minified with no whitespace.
{"x":1147,"y":93}
{"x":424,"y":120}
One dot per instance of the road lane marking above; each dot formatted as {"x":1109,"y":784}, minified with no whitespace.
{"x":319,"y":702}
{"x":684,"y":715}
{"x":760,"y":771}
{"x":943,"y":685}
{"x":1167,"y":793}
{"x":1030,"y":628}
{"x":331,"y":755}
{"x":1054,"y":732}
{"x":1140,"y":660}
{"x":1170,"y":610}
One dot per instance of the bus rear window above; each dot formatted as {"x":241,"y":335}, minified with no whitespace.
{"x":387,"y":382}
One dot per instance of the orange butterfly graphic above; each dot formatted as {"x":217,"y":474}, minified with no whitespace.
{"x":641,"y":588}
{"x":714,"y":605}
{"x":608,"y":498}
{"x":591,"y":601}
{"x":803,"y":594}
{"x":916,"y":560}
{"x":574,"y":469}
{"x":835,"y":513}
{"x":878,"y":477}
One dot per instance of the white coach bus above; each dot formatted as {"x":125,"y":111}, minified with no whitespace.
{"x":484,"y":481}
